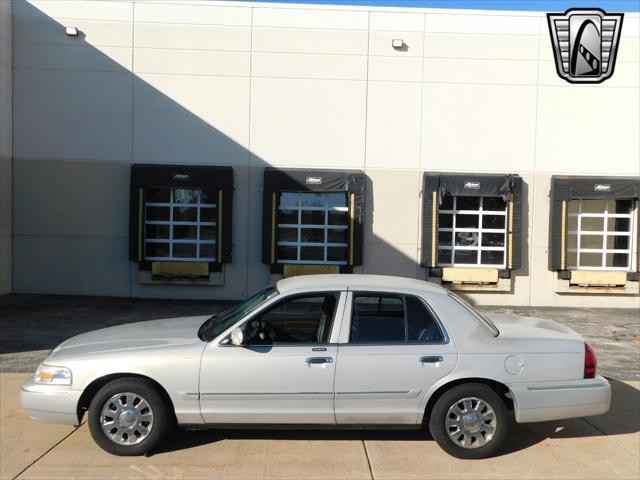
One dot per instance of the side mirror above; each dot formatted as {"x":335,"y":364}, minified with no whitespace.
{"x":237,"y":337}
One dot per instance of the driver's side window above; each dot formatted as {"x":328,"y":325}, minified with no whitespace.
{"x":300,"y":319}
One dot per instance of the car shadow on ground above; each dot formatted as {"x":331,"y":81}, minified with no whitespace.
{"x":622,"y":418}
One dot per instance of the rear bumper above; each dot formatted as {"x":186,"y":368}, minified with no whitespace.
{"x":50,"y":403}
{"x":542,"y":401}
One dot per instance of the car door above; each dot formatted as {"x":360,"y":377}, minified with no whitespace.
{"x":392,"y":349}
{"x":285,"y":371}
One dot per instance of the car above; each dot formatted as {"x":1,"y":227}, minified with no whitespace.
{"x":323,"y":351}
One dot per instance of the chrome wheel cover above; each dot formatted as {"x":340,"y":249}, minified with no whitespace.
{"x":126,"y":418}
{"x":471,"y":422}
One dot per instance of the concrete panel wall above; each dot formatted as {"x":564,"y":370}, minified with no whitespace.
{"x":5,"y":147}
{"x":253,"y":85}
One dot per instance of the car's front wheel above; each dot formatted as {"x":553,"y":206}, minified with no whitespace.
{"x":128,"y":417}
{"x":469,"y":421}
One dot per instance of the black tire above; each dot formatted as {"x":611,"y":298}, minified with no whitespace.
{"x":440,"y":413}
{"x":161,"y":417}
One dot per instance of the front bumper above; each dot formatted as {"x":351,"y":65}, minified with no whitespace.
{"x":50,"y":403}
{"x":542,"y":401}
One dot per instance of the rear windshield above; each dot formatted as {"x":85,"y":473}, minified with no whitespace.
{"x":486,"y":321}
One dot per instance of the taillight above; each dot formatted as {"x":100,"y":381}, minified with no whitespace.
{"x":589,"y":361}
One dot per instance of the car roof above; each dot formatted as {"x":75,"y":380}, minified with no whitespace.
{"x":356,"y":282}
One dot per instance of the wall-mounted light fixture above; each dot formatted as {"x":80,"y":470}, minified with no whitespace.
{"x":397,"y":43}
{"x":71,"y":31}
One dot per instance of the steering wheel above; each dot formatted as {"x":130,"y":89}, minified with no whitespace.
{"x":266,"y":332}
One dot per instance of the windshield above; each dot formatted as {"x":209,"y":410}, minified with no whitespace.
{"x":486,"y":321}
{"x":219,"y":323}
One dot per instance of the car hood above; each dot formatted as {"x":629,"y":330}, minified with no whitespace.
{"x":133,"y":336}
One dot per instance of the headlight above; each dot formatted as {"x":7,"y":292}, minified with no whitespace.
{"x":49,"y":375}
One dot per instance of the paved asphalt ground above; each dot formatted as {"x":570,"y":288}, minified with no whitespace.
{"x":603,"y":447}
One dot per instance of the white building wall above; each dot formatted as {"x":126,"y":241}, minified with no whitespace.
{"x":5,"y":147}
{"x":294,"y":86}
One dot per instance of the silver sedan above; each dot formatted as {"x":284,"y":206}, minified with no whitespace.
{"x":323,"y":350}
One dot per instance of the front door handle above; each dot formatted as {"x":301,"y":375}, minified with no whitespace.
{"x":316,"y":360}
{"x":431,"y":359}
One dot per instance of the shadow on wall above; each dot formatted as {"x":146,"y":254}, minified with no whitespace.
{"x":155,"y":129}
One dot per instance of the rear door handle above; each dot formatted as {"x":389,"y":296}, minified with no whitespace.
{"x":431,"y":359}
{"x":316,"y":360}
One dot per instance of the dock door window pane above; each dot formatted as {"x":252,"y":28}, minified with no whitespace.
{"x":600,"y":234}
{"x":312,"y":228}
{"x":180,"y":224}
{"x":472,"y":232}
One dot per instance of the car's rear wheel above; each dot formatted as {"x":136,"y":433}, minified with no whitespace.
{"x":469,"y":421}
{"x":128,"y":417}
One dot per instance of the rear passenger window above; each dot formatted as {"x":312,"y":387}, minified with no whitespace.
{"x":377,"y":319}
{"x":422,"y":326}
{"x":392,"y":319}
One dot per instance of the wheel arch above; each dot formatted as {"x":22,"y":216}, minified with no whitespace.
{"x":499,"y":387}
{"x":95,"y":385}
